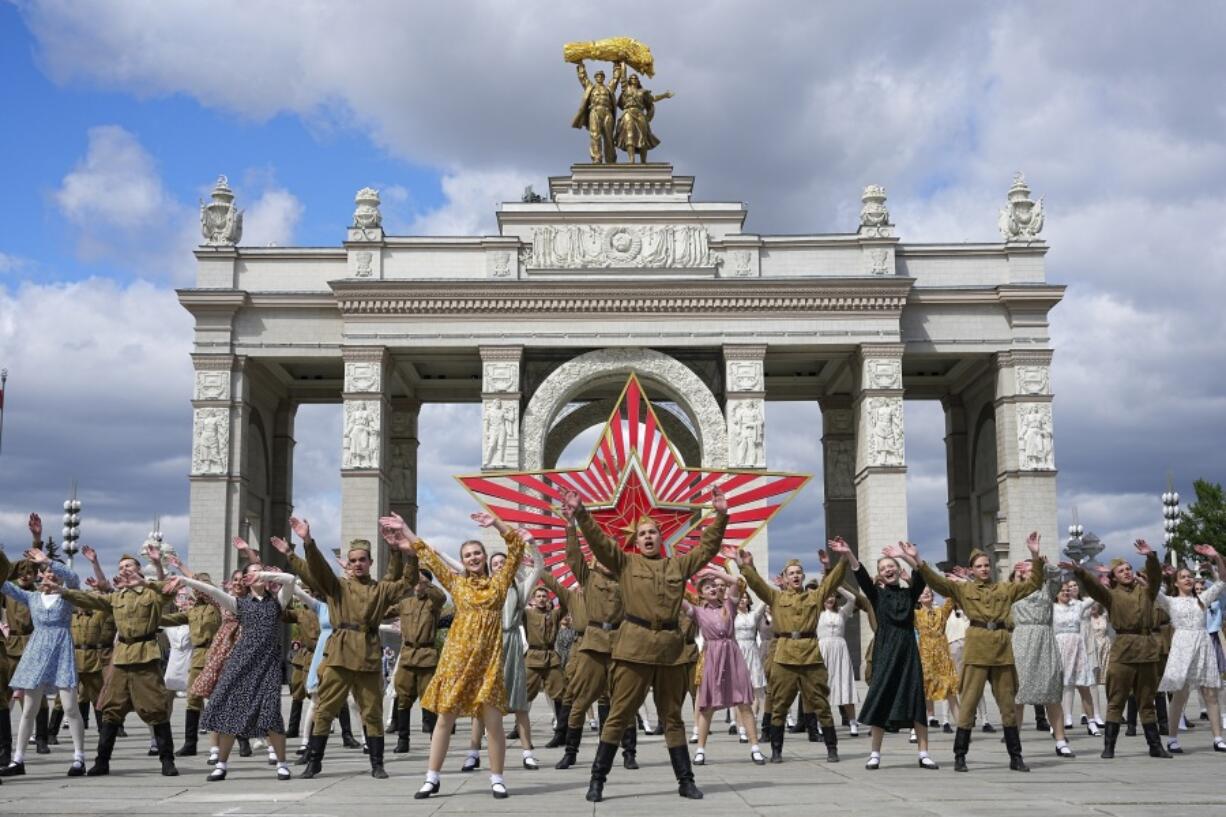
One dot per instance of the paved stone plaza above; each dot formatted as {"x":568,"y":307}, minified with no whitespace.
{"x":1131,"y":785}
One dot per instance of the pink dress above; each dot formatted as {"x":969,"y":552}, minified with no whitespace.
{"x":725,"y":676}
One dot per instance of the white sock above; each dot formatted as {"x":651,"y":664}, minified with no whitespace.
{"x":923,"y":755}
{"x":754,"y":748}
{"x":1060,"y":744}
{"x":214,"y":751}
{"x":527,"y":753}
{"x":431,"y":776}
{"x":281,"y":764}
{"x":19,"y":756}
{"x":874,"y":755}
{"x":78,"y":756}
{"x":221,"y":764}
{"x":474,"y":753}
{"x":1173,"y":743}
{"x":495,"y":779}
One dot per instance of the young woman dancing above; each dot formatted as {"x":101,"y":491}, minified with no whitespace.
{"x":940,"y":674}
{"x":837,"y":609}
{"x":469,"y":679}
{"x":749,"y":623}
{"x":895,"y":696}
{"x":725,"y":677}
{"x":246,"y":701}
{"x":1040,"y":672}
{"x":1193,"y":663}
{"x":1070,"y":615}
{"x":48,"y":662}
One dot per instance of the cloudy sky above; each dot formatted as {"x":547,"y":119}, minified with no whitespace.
{"x":119,"y":116}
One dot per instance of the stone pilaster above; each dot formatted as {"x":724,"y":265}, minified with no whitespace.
{"x":364,"y":480}
{"x":500,"y":404}
{"x":282,"y":476}
{"x":1025,"y":454}
{"x":957,"y":480}
{"x":839,"y":468}
{"x":218,"y":423}
{"x":881,"y":468}
{"x":745,"y":416}
{"x":402,"y":459}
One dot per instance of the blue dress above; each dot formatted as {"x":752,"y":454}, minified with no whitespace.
{"x":49,"y":659}
{"x":325,"y":630}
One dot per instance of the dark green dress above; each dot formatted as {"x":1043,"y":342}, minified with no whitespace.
{"x":895,"y":697}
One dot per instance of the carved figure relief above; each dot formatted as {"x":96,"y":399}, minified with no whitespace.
{"x":502,"y":265}
{"x":361,"y":437}
{"x":885,"y":431}
{"x":879,"y":261}
{"x":874,"y":216}
{"x":1034,"y":437}
{"x":213,"y":385}
{"x":364,"y":261}
{"x":595,"y":246}
{"x":883,"y":373}
{"x":500,"y":433}
{"x":366,"y":216}
{"x":401,"y":473}
{"x":745,"y":375}
{"x":1033,"y":380}
{"x":840,"y":469}
{"x":747,"y":429}
{"x":211,"y":441}
{"x":742,"y":268}
{"x":839,"y":421}
{"x":500,"y":376}
{"x":221,"y":223}
{"x":362,"y":376}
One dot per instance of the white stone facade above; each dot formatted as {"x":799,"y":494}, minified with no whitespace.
{"x":621,"y":269}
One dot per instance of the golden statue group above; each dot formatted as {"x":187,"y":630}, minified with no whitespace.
{"x":632,"y":130}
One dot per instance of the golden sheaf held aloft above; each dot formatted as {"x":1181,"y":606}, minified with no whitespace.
{"x":612,"y":49}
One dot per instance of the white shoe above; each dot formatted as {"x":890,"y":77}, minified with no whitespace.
{"x":693,"y":737}
{"x":913,"y":738}
{"x":741,"y":736}
{"x":700,"y":758}
{"x":593,"y":725}
{"x":647,"y":727}
{"x":874,"y":762}
{"x":854,"y":729}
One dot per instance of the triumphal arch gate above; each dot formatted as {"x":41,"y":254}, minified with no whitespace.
{"x":622,"y":268}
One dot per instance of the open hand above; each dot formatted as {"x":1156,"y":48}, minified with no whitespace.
{"x":279,"y":544}
{"x":36,"y":527}
{"x":483,"y":519}
{"x":719,"y":500}
{"x":744,"y":558}
{"x":571,"y":502}
{"x":36,"y":556}
{"x":1069,"y":566}
{"x":910,"y":551}
{"x":839,"y":545}
{"x":1032,"y":543}
{"x":1142,"y":547}
{"x":90,"y":554}
{"x":240,"y":544}
{"x":300,"y":527}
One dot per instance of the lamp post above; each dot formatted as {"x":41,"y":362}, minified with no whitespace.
{"x":72,"y":525}
{"x":1170,"y":517}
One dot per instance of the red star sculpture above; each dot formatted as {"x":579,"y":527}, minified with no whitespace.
{"x":633,"y":472}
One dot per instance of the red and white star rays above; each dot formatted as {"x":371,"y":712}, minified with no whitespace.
{"x":633,"y":472}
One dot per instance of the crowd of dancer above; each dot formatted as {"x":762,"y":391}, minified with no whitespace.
{"x":636,"y":621}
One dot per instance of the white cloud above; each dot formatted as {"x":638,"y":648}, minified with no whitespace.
{"x":470,"y":201}
{"x":115,"y":186}
{"x":12,"y":263}
{"x":271,"y":220}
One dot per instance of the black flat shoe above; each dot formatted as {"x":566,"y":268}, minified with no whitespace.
{"x":929,"y":764}
{"x":13,"y":770}
{"x":499,"y":790}
{"x":1065,"y":752}
{"x":426,"y":790}
{"x":216,"y":776}
{"x":471,"y":764}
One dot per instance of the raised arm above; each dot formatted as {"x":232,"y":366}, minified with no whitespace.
{"x":88,"y":601}
{"x":67,"y":577}
{"x":223,"y":599}
{"x":940,"y":584}
{"x":319,"y":576}
{"x":1153,"y":568}
{"x":91,"y":556}
{"x":712,"y":537}
{"x":1090,"y":585}
{"x":581,"y":72}
{"x":529,"y":575}
{"x":849,"y":603}
{"x":286,"y":584}
{"x":760,"y":588}
{"x":16,"y":593}
{"x":574,"y":553}
{"x":606,"y":551}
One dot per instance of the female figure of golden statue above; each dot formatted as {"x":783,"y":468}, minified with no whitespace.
{"x":633,"y":133}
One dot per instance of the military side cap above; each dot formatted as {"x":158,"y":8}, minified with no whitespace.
{"x":127,"y":556}
{"x":359,"y":544}
{"x":793,"y":563}
{"x":975,"y":554}
{"x":1117,"y":562}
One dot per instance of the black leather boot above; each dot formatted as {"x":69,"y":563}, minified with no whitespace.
{"x":560,"y":714}
{"x":1130,"y":717}
{"x":831,"y":737}
{"x":6,"y":739}
{"x":402,"y":730}
{"x":244,"y":747}
{"x":776,"y":736}
{"x":680,"y":758}
{"x":428,"y":719}
{"x":1164,"y":726}
{"x":574,"y":734}
{"x":295,"y":719}
{"x":315,"y":756}
{"x":166,"y":748}
{"x":107,"y":732}
{"x":1156,"y":749}
{"x":601,"y":764}
{"x":813,"y":727}
{"x":1040,"y":719}
{"x":375,"y":744}
{"x":191,"y":733}
{"x":1111,"y":733}
{"x":54,"y":722}
{"x":40,"y":731}
{"x":84,"y":708}
{"x":962,"y":744}
{"x":800,"y":721}
{"x":630,"y":745}
{"x":1013,"y":743}
{"x":602,"y":712}
{"x":347,"y":729}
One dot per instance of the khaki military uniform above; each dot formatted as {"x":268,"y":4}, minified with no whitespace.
{"x":353,"y":661}
{"x":93,"y":636}
{"x":690,"y":659}
{"x":575,"y":603}
{"x":135,"y":681}
{"x":1136,"y":652}
{"x":649,"y":647}
{"x":988,"y":654}
{"x":542,"y":663}
{"x":419,"y":616}
{"x":307,"y":635}
{"x":796,"y":665}
{"x":203,"y":620}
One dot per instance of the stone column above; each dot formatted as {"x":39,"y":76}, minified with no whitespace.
{"x":364,"y":481}
{"x":957,"y":479}
{"x":282,"y":499}
{"x":500,"y":399}
{"x":1025,"y":454}
{"x":839,"y":468}
{"x":218,"y":420}
{"x":745,"y":415}
{"x":402,"y":459}
{"x":881,"y":469}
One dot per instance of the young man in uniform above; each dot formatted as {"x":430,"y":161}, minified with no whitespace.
{"x":1136,"y":650}
{"x":797,"y":666}
{"x":306,"y":636}
{"x":357,"y":604}
{"x":649,"y":644}
{"x":988,"y":655}
{"x":419,"y":614}
{"x":542,"y":664}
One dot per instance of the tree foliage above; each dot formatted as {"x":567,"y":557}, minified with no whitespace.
{"x":1204,"y":521}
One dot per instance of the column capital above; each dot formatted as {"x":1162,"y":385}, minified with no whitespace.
{"x":744,"y":351}
{"x":1030,"y":380}
{"x":365,"y":370}
{"x":873,"y":350}
{"x":513,"y":353}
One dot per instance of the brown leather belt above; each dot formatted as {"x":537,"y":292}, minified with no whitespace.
{"x":991,"y":625}
{"x":95,"y":646}
{"x":649,"y":625}
{"x":139,"y":639}
{"x":798,"y":634}
{"x":604,"y":625}
{"x":417,"y":645}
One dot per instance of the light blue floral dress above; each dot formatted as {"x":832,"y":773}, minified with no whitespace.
{"x":49,"y":659}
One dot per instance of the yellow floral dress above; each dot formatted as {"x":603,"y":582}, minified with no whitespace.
{"x":940,"y":676}
{"x":469,"y":673}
